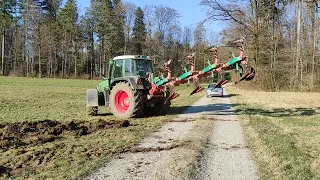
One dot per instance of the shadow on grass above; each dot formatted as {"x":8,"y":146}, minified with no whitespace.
{"x":104,"y":114}
{"x":212,"y":109}
{"x":230,"y":95}
{"x":278,"y":112}
{"x":229,"y":109}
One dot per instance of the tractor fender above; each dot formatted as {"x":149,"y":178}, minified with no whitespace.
{"x":134,"y":85}
{"x":131,"y":82}
{"x":92,"y":98}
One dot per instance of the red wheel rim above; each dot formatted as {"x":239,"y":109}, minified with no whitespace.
{"x":122,"y":101}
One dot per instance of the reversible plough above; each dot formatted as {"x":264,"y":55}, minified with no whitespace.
{"x":164,"y":86}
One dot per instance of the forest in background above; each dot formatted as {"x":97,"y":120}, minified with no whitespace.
{"x":42,"y":38}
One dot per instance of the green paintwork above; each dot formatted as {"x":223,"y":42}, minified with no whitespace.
{"x":234,"y":61}
{"x":104,"y":85}
{"x":162,"y":82}
{"x":185,"y":75}
{"x":209,"y":68}
{"x":156,"y":79}
{"x":152,"y":78}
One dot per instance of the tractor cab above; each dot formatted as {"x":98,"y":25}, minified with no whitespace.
{"x":128,"y":66}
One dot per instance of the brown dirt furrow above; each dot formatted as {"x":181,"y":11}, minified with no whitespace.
{"x":22,"y":137}
{"x":14,"y":135}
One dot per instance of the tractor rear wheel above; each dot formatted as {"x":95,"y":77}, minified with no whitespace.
{"x":126,"y":102}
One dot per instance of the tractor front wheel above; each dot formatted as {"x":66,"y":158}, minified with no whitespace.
{"x":126,"y":102}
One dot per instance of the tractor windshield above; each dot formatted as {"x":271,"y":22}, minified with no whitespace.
{"x":143,"y":67}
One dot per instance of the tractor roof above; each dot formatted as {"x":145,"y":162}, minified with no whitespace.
{"x":132,"y":57}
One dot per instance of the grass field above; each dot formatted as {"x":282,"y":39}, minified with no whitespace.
{"x":283,"y":131}
{"x":69,"y":155}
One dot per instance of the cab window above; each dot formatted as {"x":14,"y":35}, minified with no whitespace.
{"x":118,"y":65}
{"x":143,"y":67}
{"x":129,"y":70}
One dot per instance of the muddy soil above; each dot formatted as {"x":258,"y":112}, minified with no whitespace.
{"x":28,"y":134}
{"x":33,"y":133}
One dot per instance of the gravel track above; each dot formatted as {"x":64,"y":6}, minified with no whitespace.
{"x":209,"y":145}
{"x":226,"y":155}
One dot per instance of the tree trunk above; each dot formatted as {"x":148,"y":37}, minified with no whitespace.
{"x":66,"y":71}
{"x":314,"y":29}
{"x":64,"y":55}
{"x":55,"y":61}
{"x":127,"y":43}
{"x":104,"y":56}
{"x":15,"y":50}
{"x":75,"y":64}
{"x":39,"y":59}
{"x":92,"y":62}
{"x":254,"y":5}
{"x":15,"y":61}
{"x":50,"y":64}
{"x":2,"y":53}
{"x":27,"y":59}
{"x":39,"y":54}
{"x":293,"y":58}
{"x":298,"y":58}
{"x":32,"y":65}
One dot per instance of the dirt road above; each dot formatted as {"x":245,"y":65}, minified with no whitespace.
{"x":205,"y":142}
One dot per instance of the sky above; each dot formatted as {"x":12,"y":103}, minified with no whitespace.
{"x":191,"y":11}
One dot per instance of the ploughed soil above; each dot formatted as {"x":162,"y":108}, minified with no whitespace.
{"x":28,"y":134}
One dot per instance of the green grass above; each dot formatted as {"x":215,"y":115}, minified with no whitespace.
{"x":283,"y":135}
{"x":31,"y":99}
{"x":35,"y":99}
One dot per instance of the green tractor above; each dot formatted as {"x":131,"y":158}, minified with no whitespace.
{"x":125,"y":90}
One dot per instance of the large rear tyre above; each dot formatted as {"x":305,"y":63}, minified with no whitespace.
{"x":126,"y":102}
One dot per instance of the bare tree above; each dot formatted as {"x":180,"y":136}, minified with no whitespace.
{"x":130,"y":10}
{"x":164,"y":18}
{"x":313,"y":13}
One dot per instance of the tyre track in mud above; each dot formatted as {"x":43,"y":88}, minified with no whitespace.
{"x":204,"y":142}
